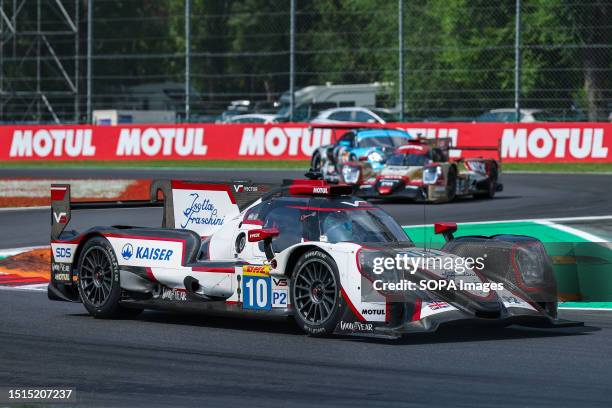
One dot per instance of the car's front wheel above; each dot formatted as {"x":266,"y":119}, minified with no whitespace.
{"x":315,"y":293}
{"x":98,"y":281}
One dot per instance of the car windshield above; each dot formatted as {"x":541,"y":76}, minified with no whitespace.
{"x":408,"y":160}
{"x":384,"y":141}
{"x":371,"y":225}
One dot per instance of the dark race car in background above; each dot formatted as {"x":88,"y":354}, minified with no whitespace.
{"x":422,"y":171}
{"x":368,"y":146}
{"x":406,"y":167}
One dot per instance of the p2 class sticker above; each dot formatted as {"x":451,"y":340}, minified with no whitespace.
{"x":256,"y":288}
{"x":280,"y":298}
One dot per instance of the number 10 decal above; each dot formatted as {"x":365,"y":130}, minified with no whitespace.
{"x":256,"y":292}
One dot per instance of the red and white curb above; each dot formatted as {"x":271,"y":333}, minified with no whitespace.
{"x":10,"y":281}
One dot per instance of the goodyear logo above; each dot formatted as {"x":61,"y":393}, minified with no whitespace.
{"x":256,"y":270}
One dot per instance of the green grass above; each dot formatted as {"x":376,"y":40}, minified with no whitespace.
{"x":203,"y":164}
{"x":559,"y":167}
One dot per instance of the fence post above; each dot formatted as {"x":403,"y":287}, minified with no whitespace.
{"x":89,"y":53}
{"x":187,"y":60}
{"x":292,"y":61}
{"x":517,"y":61}
{"x":400,"y":8}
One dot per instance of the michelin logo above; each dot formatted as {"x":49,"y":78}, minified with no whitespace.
{"x":147,"y":253}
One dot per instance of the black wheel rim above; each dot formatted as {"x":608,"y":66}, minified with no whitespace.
{"x":96,"y":275}
{"x":315,"y":292}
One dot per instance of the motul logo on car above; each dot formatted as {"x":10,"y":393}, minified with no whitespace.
{"x":372,"y":312}
{"x":164,"y":141}
{"x":52,"y":142}
{"x":564,"y":143}
{"x":320,"y":190}
{"x":277,"y":141}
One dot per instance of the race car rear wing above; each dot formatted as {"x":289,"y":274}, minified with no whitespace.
{"x":481,"y":149}
{"x":199,"y":206}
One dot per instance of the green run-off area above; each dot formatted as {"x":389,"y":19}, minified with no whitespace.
{"x":583,"y":268}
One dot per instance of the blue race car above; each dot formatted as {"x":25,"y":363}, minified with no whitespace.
{"x":368,"y":146}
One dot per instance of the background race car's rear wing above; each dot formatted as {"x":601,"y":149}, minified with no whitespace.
{"x":496,"y":149}
{"x":199,"y":206}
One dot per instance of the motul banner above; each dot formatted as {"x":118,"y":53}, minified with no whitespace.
{"x":535,"y":142}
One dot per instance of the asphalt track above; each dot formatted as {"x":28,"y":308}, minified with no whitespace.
{"x":525,"y":196}
{"x":163,"y":359}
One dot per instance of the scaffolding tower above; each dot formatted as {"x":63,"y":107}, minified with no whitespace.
{"x":39,"y":61}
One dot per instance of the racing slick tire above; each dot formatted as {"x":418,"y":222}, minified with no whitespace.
{"x":315,"y":293}
{"x":315,"y":162}
{"x":451,"y":184}
{"x":491,"y":186}
{"x":98,"y":281}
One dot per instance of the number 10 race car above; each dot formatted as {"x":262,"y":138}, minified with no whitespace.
{"x":305,"y":249}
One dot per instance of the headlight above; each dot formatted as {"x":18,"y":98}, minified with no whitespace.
{"x":350,"y":174}
{"x":431,"y":174}
{"x":529,"y":264}
{"x":375,"y":157}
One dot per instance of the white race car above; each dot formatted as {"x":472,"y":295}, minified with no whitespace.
{"x":306,"y":249}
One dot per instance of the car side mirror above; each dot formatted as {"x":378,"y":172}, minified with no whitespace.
{"x":256,"y":235}
{"x":446,"y":229}
{"x":265,"y":235}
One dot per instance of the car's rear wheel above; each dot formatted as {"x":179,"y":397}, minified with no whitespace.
{"x":315,"y":293}
{"x":98,"y":280}
{"x":491,"y":185}
{"x":315,"y":163}
{"x":451,"y":186}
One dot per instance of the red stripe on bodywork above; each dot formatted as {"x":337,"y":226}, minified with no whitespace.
{"x":352,"y":306}
{"x":150,"y":274}
{"x":68,"y":241}
{"x":416,"y":315}
{"x":212,"y":269}
{"x":309,"y":208}
{"x":253,"y":222}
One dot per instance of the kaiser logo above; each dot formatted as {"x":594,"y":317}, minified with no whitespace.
{"x":127,"y":251}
